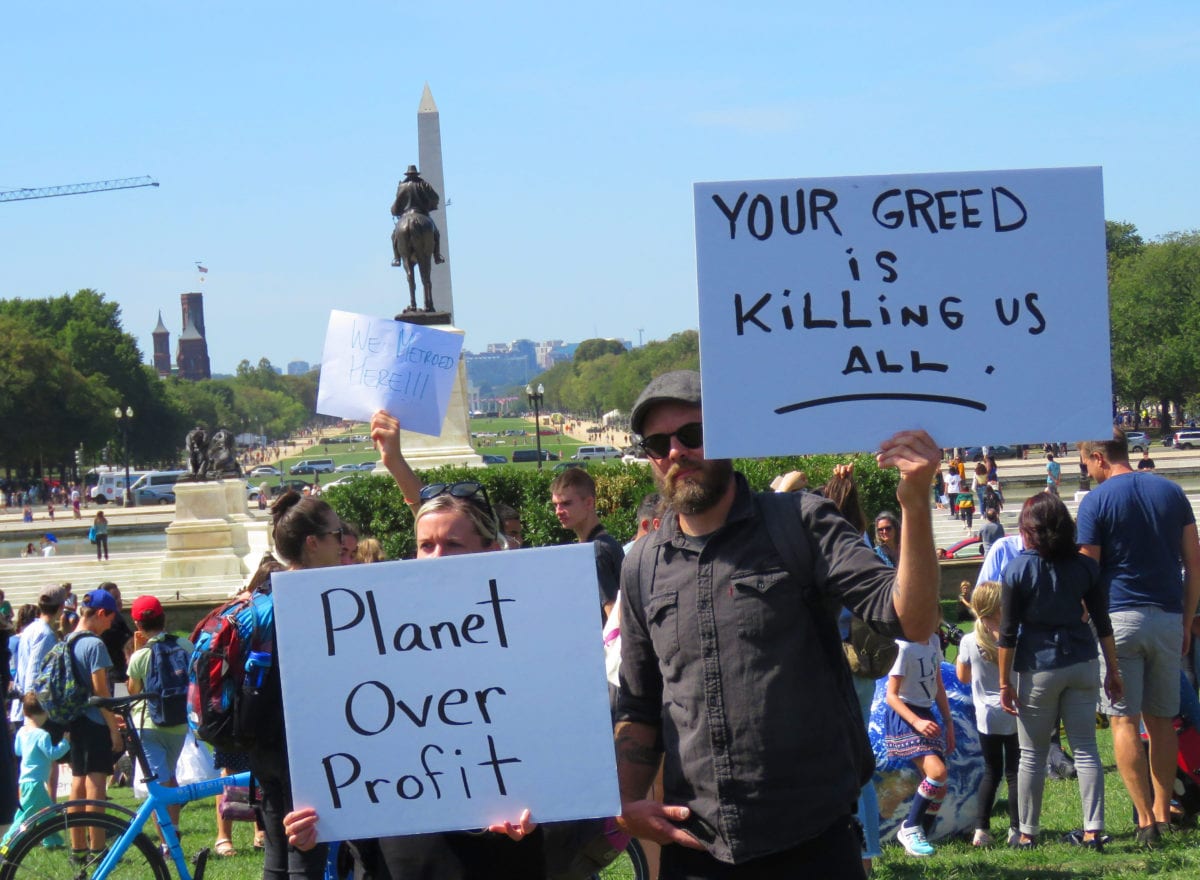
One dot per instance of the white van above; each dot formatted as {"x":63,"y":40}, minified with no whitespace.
{"x":600,"y":452}
{"x":156,"y":487}
{"x":112,"y":486}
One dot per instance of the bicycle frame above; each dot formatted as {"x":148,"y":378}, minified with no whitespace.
{"x":156,"y":804}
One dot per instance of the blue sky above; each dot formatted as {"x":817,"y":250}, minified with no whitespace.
{"x":572,"y":135}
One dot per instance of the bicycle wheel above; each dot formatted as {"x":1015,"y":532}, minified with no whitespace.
{"x":630,"y":865}
{"x":31,"y":855}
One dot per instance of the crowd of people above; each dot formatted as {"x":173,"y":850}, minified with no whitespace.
{"x":719,"y":614}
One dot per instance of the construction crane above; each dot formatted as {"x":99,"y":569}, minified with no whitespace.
{"x":71,"y":189}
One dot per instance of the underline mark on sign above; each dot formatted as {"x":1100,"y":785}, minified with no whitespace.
{"x":854,"y":398}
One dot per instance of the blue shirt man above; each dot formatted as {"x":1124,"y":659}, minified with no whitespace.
{"x":1140,"y":528}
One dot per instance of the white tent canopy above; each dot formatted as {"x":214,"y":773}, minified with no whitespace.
{"x":608,"y":417}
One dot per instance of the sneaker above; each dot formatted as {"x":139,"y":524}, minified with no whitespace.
{"x":982,"y":838}
{"x":1149,"y":838}
{"x":1075,"y":838}
{"x":914,"y":842}
{"x":1014,"y":835}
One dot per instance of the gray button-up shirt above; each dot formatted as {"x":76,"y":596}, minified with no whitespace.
{"x":720,"y":652}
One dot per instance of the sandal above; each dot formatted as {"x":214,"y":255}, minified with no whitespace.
{"x":260,"y":839}
{"x":224,"y":847}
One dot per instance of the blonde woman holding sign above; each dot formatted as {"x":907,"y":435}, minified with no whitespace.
{"x":453,"y":519}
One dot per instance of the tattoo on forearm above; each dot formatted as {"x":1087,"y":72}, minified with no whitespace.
{"x":629,"y":749}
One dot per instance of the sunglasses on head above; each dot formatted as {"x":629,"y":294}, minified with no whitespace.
{"x":468,"y":489}
{"x":690,"y":436}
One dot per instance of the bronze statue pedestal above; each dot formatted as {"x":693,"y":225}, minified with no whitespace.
{"x":424,"y":318}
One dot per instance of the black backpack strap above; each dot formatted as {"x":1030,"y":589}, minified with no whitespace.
{"x":781,"y":515}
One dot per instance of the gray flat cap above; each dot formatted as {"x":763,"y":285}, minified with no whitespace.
{"x":680,"y":386}
{"x":53,"y":595}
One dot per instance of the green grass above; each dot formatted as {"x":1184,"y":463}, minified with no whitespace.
{"x":356,"y":453}
{"x":1179,"y":858}
{"x":1061,"y":812}
{"x":198,"y":824}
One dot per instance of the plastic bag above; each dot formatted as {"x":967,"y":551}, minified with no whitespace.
{"x":195,"y":765}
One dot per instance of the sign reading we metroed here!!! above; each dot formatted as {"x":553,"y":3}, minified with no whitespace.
{"x":444,"y":694}
{"x":837,"y":311}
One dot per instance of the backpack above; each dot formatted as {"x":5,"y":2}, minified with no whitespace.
{"x":168,"y":678}
{"x":61,"y":690}
{"x":871,"y":654}
{"x":225,"y":704}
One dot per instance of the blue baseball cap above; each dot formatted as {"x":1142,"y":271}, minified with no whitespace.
{"x":100,"y":600}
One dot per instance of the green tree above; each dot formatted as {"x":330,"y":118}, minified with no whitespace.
{"x":590,"y":349}
{"x":1155,"y":314}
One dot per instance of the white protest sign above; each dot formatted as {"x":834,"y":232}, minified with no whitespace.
{"x":380,"y":363}
{"x":834,"y":312}
{"x":445,"y":694}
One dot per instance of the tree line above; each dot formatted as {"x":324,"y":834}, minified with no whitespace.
{"x":1154,"y":309}
{"x":67,"y":363}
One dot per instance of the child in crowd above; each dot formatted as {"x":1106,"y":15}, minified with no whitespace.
{"x":977,"y":666}
{"x":37,"y":753}
{"x":914,"y":682}
{"x":966,"y":506}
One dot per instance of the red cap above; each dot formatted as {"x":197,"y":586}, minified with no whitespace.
{"x":146,"y":606}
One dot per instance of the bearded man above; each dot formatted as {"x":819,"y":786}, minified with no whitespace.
{"x":725,"y":673}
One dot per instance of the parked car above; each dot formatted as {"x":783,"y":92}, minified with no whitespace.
{"x":965,"y":548}
{"x":601,"y":453}
{"x":531,"y":455}
{"x":494,"y":459}
{"x":367,"y":466}
{"x":346,"y":468}
{"x":1137,"y":441}
{"x":1186,"y":439}
{"x":266,"y":470}
{"x":975,"y":453}
{"x":147,"y":495}
{"x":275,"y":491}
{"x":312,"y":466}
{"x":567,"y":465}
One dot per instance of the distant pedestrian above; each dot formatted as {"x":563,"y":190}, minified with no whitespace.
{"x":1146,"y":463}
{"x":1053,"y":474}
{"x":75,"y":502}
{"x":100,"y":533}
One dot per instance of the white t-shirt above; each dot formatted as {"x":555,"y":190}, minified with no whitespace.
{"x":985,"y":690}
{"x":953,"y":482}
{"x":920,"y":664}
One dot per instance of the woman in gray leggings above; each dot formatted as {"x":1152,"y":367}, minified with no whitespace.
{"x":1045,"y":637}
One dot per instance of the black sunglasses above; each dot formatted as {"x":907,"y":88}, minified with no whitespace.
{"x":341,"y":533}
{"x":467,"y":489}
{"x":690,"y":435}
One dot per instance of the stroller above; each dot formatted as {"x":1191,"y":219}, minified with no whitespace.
{"x":1185,"y":802}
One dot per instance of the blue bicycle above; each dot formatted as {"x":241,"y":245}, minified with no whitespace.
{"x":37,"y":850}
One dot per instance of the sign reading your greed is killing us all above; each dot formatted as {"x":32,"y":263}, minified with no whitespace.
{"x":836,"y":311}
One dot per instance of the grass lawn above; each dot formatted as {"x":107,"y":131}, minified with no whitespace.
{"x":1061,"y":812}
{"x":356,"y":453}
{"x":1179,"y":858}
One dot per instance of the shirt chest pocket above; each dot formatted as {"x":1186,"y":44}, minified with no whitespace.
{"x":662,"y":619}
{"x":767,"y":603}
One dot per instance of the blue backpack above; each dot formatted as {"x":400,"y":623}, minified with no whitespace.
{"x":168,"y":678}
{"x":60,"y":688}
{"x":233,"y":654}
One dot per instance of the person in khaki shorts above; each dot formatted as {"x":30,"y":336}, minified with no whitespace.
{"x":1141,"y":529}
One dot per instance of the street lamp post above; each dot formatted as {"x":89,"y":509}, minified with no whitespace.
{"x":535,"y":400}
{"x":124,"y":414}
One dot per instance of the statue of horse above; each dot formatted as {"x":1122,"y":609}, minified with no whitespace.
{"x":413,"y":242}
